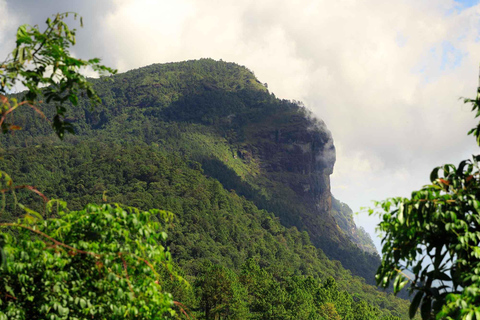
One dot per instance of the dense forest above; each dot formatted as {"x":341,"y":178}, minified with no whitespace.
{"x":256,"y":232}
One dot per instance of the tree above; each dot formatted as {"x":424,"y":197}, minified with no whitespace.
{"x":221,"y":294}
{"x":328,"y":311}
{"x":266,"y":297}
{"x":101,"y":262}
{"x":42,"y":63}
{"x":436,"y":235}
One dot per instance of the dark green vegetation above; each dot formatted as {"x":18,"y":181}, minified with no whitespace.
{"x":436,"y":234}
{"x":344,"y":217}
{"x":177,"y":137}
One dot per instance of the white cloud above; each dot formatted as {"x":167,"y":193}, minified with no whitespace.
{"x":8,"y":24}
{"x":145,"y":31}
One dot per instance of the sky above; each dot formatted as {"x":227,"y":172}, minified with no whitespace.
{"x":385,"y":76}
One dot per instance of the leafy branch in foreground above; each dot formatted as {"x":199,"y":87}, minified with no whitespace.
{"x":42,"y":63}
{"x":101,"y":262}
{"x":436,"y":235}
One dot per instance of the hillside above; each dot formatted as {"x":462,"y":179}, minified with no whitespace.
{"x":212,"y":225}
{"x":177,"y":137}
{"x":273,"y":152}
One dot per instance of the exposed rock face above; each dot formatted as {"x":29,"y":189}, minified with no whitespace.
{"x":299,"y":156}
{"x":296,"y":155}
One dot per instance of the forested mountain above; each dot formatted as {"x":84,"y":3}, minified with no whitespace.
{"x":257,"y":231}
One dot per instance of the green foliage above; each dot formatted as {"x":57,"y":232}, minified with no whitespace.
{"x":436,"y":235}
{"x":294,"y":297}
{"x":101,"y":262}
{"x":210,"y":224}
{"x":42,"y":63}
{"x":328,"y":311}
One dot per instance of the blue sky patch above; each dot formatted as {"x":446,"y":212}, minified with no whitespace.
{"x":467,"y":3}
{"x":451,"y":56}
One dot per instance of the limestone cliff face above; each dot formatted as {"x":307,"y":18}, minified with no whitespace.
{"x":299,"y":157}
{"x":300,"y":151}
{"x":296,"y":155}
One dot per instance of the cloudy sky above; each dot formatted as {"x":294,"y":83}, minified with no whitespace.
{"x":385,"y":76}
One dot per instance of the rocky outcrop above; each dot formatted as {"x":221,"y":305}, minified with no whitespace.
{"x":296,"y":154}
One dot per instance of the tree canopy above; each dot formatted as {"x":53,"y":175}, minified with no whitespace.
{"x":101,"y":262}
{"x":436,"y":235}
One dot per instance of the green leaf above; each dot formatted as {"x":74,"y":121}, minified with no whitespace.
{"x":426,"y":308}
{"x":31,"y":215}
{"x":3,"y":259}
{"x":402,"y":285}
{"x":461,"y":166}
{"x":400,"y":216}
{"x":444,"y":277}
{"x":434,"y":174}
{"x":415,"y":303}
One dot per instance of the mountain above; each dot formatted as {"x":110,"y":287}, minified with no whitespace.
{"x":274,"y":152}
{"x":344,"y":217}
{"x":177,"y":136}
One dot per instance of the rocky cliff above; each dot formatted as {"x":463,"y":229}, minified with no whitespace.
{"x":296,"y":155}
